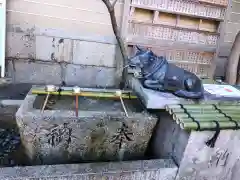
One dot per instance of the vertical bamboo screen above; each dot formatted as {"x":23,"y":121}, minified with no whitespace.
{"x":186,"y":32}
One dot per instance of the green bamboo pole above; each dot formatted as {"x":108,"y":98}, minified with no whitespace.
{"x":228,"y":103}
{"x":231,"y":111}
{"x":203,"y":111}
{"x":200,"y":111}
{"x":65,"y":88}
{"x":222,"y":119}
{"x":204,"y":106}
{"x":235,"y":116}
{"x":85,"y":94}
{"x":177,"y":108}
{"x":208,"y":114}
{"x":229,"y":108}
{"x":207,"y":109}
{"x":207,"y":125}
{"x":191,"y":106}
{"x":198,"y":116}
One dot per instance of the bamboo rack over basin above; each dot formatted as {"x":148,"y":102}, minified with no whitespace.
{"x":191,"y":116}
{"x":86,"y":92}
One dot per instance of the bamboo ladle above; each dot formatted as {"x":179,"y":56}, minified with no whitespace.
{"x":119,"y":94}
{"x":76,"y":91}
{"x":48,"y":89}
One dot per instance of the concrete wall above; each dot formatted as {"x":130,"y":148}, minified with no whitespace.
{"x":232,"y":26}
{"x":42,"y":34}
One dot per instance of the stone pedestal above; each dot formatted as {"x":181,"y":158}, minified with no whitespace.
{"x":219,"y":163}
{"x":158,"y":100}
{"x":195,"y":159}
{"x":58,"y":136}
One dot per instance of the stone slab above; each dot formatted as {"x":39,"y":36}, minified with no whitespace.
{"x":8,"y":102}
{"x":20,"y":45}
{"x":132,"y":170}
{"x":35,"y":73}
{"x":54,"y":49}
{"x":169,"y":140}
{"x":93,"y":53}
{"x":58,"y":136}
{"x":90,"y":76}
{"x":23,"y":71}
{"x":152,"y":99}
{"x":202,"y":162}
{"x":158,"y":100}
{"x":195,"y":159}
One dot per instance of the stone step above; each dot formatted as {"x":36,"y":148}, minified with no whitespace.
{"x":125,"y":170}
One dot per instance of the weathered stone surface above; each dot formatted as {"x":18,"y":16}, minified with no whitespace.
{"x":132,"y":170}
{"x":22,"y":71}
{"x":90,"y":76}
{"x":35,"y":73}
{"x":54,"y":49}
{"x":202,"y":162}
{"x":93,"y":53}
{"x":150,"y":98}
{"x":20,"y":45}
{"x":235,"y":7}
{"x":196,"y":160}
{"x":221,"y":66}
{"x":169,"y":140}
{"x":58,"y":136}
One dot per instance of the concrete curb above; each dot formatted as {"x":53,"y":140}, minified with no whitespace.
{"x":11,"y":102}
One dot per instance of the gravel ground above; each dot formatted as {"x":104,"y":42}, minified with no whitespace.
{"x":11,"y":151}
{"x":9,"y":145}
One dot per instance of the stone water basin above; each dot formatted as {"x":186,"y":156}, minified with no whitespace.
{"x":102,"y":142}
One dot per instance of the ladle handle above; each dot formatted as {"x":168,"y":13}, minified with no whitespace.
{"x":123,"y":105}
{"x":76,"y":105}
{"x":45,"y":102}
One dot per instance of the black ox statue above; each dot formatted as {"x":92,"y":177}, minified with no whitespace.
{"x":158,"y":74}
